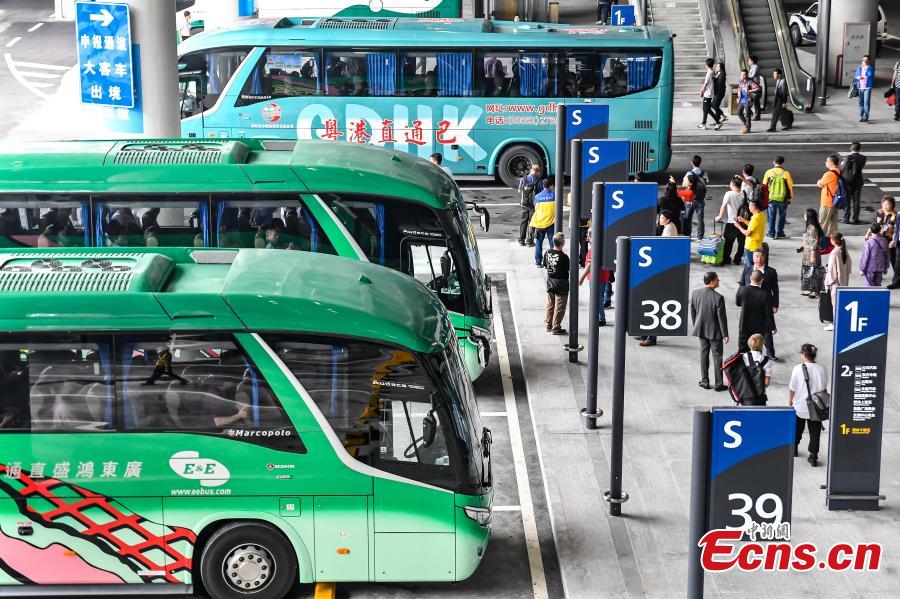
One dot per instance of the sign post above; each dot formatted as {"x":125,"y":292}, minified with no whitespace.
{"x":751,"y":467}
{"x":594,"y":161}
{"x":104,"y":54}
{"x":575,"y":121}
{"x":629,"y":209}
{"x":572,"y":346}
{"x":857,"y":405}
{"x":590,"y":413}
{"x":742,"y":474}
{"x":652,"y":299}
{"x":560,"y":166}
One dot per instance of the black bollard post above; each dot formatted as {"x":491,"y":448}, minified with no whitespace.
{"x":574,"y":213}
{"x":590,"y":413}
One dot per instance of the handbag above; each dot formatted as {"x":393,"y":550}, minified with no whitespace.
{"x":889,"y":93}
{"x":812,"y":278}
{"x":854,"y":90}
{"x":818,"y":403}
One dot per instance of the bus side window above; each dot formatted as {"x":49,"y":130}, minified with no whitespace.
{"x":282,"y":73}
{"x":189,"y":383}
{"x":349,"y":73}
{"x":269,"y":222}
{"x":581,"y":75}
{"x":213,"y":69}
{"x":59,"y":385}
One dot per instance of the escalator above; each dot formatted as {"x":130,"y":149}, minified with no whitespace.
{"x":765,"y":33}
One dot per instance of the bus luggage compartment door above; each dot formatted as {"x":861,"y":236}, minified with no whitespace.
{"x":342,"y":538}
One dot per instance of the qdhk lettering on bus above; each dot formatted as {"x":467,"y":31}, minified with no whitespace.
{"x":189,"y":464}
{"x":416,"y":134}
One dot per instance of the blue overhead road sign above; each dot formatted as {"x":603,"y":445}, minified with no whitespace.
{"x":105,"y":59}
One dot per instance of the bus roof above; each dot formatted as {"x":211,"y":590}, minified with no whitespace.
{"x":247,"y":290}
{"x":203,"y":166}
{"x":421,"y":32}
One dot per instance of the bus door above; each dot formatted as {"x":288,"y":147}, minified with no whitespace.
{"x":431,"y":262}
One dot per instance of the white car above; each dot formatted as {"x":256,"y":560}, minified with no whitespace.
{"x":803,"y":26}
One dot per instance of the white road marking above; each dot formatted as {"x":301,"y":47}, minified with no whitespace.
{"x":493,"y":414}
{"x":890,"y":189}
{"x":532,"y":542}
{"x":39,"y":75}
{"x":13,"y":42}
{"x":35,"y":27}
{"x":882,"y":163}
{"x":881,"y":171}
{"x":787,"y":142}
{"x":506,"y":508}
{"x":890,"y":154}
{"x":24,"y":82}
{"x":40,"y":65}
{"x":884,"y":180}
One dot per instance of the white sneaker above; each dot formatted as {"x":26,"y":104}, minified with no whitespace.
{"x":718,"y":126}
{"x":829,"y":327}
{"x":701,"y":126}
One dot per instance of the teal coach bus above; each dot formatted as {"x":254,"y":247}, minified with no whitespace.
{"x":481,"y":93}
{"x":231,"y":420}
{"x":364,"y":203}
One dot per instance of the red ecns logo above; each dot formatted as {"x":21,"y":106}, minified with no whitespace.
{"x":271,"y":113}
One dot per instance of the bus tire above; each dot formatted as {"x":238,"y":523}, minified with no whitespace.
{"x":515,"y":162}
{"x":248,"y":560}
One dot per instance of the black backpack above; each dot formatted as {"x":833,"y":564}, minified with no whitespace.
{"x":746,"y":383}
{"x":852,"y":172}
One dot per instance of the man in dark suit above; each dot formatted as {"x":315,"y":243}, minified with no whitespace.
{"x":711,"y":326}
{"x":779,"y":103}
{"x":756,"y":310}
{"x":770,"y":286}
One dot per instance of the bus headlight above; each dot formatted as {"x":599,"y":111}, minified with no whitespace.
{"x":482,"y":515}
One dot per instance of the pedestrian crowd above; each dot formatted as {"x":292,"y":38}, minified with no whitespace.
{"x":754,"y":212}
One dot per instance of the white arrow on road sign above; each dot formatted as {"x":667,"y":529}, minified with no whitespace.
{"x":105,"y":16}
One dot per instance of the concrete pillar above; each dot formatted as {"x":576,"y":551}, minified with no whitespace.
{"x":153,"y":32}
{"x":842,"y":12}
{"x":221,"y":14}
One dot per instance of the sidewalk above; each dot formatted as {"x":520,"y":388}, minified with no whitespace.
{"x":644,"y":553}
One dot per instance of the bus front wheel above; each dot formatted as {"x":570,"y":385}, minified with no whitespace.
{"x":516,"y":161}
{"x":249,"y":559}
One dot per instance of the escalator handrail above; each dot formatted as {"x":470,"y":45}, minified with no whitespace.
{"x":797,"y":79}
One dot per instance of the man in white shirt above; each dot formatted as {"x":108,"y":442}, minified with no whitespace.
{"x":706,"y":92}
{"x":798,"y":394}
{"x":731,"y":204}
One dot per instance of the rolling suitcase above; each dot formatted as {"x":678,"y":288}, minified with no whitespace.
{"x":712,"y":249}
{"x":826,"y":310}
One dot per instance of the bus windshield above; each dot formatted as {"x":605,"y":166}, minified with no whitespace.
{"x":393,"y":410}
{"x":437,"y":248}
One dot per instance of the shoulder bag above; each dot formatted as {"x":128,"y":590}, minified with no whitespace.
{"x":819,"y":403}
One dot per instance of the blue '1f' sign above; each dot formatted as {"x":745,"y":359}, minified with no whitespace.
{"x":105,"y":62}
{"x":622,"y":16}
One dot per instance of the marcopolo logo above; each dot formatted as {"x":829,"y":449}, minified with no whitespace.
{"x":189,"y":464}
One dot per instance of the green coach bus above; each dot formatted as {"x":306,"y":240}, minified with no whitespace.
{"x":359,"y":202}
{"x":237,"y":419}
{"x":482,"y":93}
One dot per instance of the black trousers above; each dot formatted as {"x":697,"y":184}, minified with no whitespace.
{"x":778,"y":110}
{"x":713,"y":346}
{"x":708,"y":111}
{"x":716,"y":108}
{"x":526,"y":233}
{"x":770,"y":344}
{"x":851,"y":210}
{"x":755,"y":100}
{"x":896,"y":280}
{"x":815,"y":432}
{"x":732,"y":235}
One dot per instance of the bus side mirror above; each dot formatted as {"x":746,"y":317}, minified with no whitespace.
{"x":445,"y":264}
{"x":484,"y":218}
{"x":429,"y":429}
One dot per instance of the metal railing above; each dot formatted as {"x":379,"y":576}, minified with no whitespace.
{"x":801,"y":85}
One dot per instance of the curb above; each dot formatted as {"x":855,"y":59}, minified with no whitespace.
{"x":839,"y":137}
